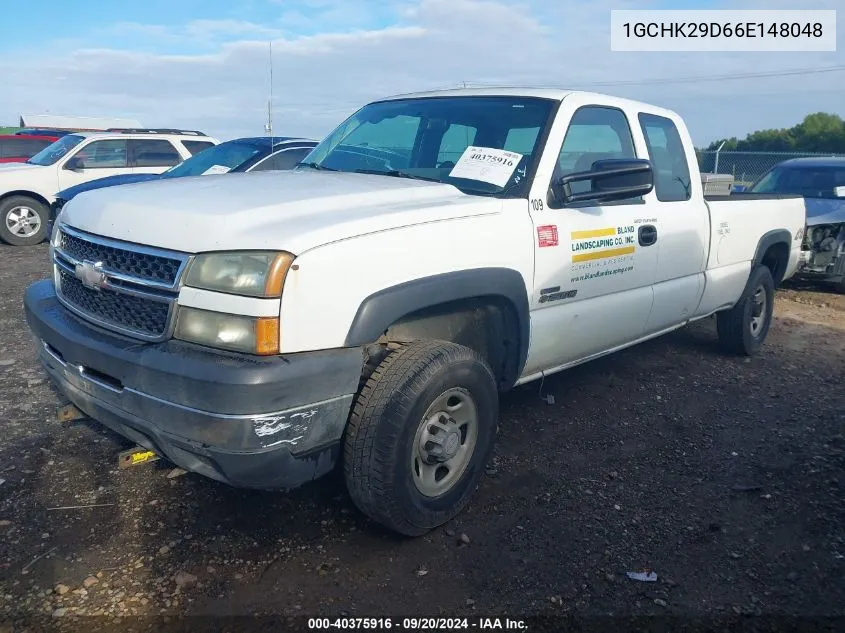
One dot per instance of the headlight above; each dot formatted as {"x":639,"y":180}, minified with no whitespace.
{"x":54,"y":229}
{"x":249,"y":273}
{"x":252,"y":335}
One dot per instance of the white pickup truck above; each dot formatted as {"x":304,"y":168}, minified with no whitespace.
{"x":368,"y":307}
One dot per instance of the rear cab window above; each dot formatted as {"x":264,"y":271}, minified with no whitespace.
{"x":453,"y":143}
{"x":672,"y":182}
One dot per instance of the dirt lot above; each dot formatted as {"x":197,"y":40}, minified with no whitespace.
{"x":722,"y":475}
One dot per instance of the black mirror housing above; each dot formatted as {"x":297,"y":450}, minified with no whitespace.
{"x":611,"y":179}
{"x":73,"y":164}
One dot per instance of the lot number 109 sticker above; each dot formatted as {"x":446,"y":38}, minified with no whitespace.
{"x":486,"y":164}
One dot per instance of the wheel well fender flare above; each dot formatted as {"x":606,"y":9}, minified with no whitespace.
{"x":381,"y":309}
{"x":769,"y":239}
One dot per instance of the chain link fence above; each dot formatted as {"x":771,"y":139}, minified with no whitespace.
{"x":745,"y":167}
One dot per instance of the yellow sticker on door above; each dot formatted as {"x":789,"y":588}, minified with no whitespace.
{"x":594,"y":244}
{"x":602,"y":253}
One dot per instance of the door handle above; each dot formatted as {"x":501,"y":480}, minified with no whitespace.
{"x":647,"y":235}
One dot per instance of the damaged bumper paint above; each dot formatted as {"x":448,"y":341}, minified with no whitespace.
{"x":247,"y":421}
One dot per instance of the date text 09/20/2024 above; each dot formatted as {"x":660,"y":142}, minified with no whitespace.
{"x":417,"y":624}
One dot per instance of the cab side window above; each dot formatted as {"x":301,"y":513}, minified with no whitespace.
{"x":672,"y":181}
{"x":595,"y":133}
{"x":110,"y":154}
{"x":154,"y":153}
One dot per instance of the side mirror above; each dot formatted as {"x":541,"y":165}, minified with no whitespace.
{"x":74,"y":164}
{"x":610,"y":179}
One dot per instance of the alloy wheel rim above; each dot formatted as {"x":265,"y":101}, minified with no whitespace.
{"x":23,"y":221}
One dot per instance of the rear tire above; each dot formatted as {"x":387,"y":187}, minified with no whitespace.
{"x":420,"y":434}
{"x":23,"y":221}
{"x":743,"y":328}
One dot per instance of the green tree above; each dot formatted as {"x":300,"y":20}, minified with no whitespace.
{"x":818,"y":132}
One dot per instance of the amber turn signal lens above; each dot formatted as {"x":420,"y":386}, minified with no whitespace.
{"x":276,"y":275}
{"x":266,"y":336}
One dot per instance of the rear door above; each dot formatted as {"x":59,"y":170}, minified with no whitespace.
{"x":593,"y":277}
{"x":682,"y":221}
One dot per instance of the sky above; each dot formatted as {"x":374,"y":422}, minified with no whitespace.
{"x":204,"y":64}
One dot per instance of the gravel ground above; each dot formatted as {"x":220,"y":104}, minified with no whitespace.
{"x":723,"y":475}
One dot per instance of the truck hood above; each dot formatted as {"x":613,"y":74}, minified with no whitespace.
{"x":291,"y":210}
{"x":825,"y":211}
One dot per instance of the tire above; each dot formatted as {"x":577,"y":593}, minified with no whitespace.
{"x":385,"y":474}
{"x":35,"y":216}
{"x":743,"y":328}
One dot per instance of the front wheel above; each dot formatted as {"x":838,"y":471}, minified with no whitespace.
{"x":743,"y":328}
{"x":23,"y":221}
{"x":420,"y":434}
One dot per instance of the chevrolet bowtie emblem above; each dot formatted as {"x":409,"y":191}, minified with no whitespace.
{"x":91,"y":274}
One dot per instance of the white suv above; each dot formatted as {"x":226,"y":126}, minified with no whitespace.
{"x":27,"y":189}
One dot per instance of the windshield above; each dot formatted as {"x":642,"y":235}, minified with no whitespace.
{"x":219,"y":159}
{"x":810,"y":182}
{"x":428,"y":138}
{"x":53,"y":152}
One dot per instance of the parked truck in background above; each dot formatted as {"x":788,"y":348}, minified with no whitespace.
{"x":369,"y":307}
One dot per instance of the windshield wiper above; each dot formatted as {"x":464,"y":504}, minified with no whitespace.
{"x":314,"y":165}
{"x":397,"y":174}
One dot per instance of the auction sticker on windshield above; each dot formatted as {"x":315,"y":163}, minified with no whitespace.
{"x":216,"y":169}
{"x":486,"y":164}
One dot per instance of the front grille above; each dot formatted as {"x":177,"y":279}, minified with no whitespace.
{"x":144,"y":266}
{"x":138,"y":294}
{"x":116,"y":309}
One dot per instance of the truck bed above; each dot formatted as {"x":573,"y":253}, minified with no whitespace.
{"x":738,"y":221}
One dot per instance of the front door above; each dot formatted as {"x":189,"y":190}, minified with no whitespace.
{"x":594,"y":264}
{"x":93,"y":160}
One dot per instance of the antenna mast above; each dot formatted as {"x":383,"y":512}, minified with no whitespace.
{"x":269,"y":126}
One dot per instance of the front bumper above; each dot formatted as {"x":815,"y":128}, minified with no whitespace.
{"x":254,"y":422}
